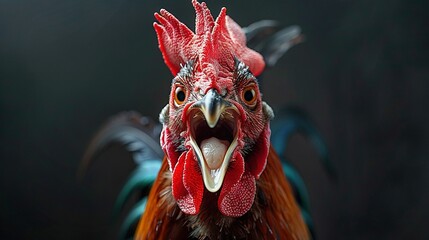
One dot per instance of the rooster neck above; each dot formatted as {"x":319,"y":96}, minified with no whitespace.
{"x":274,"y":214}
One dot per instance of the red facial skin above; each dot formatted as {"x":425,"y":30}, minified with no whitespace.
{"x":212,"y":51}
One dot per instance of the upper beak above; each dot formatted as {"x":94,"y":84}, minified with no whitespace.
{"x":212,"y":105}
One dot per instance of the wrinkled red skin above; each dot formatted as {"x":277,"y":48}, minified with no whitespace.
{"x":212,"y":47}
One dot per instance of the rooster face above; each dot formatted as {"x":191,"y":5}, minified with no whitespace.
{"x":216,"y":126}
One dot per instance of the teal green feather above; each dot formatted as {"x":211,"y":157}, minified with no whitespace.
{"x":130,"y":223}
{"x":141,"y":179}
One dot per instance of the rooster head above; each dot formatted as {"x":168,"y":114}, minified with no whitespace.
{"x":216,"y":126}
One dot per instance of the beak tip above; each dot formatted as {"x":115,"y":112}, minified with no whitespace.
{"x":212,"y":121}
{"x":212,"y":106}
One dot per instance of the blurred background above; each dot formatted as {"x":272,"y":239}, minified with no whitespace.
{"x":362,"y":75}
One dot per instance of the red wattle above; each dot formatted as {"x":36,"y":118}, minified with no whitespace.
{"x":193,"y":181}
{"x":187,"y":185}
{"x":238,"y":190}
{"x":240,"y":198}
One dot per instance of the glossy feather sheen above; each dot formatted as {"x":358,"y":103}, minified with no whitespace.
{"x":274,"y":214}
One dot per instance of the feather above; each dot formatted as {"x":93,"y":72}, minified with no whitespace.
{"x":258,"y":32}
{"x":271,"y":40}
{"x":142,"y":178}
{"x":140,"y":136}
{"x":129,"y":225}
{"x":290,"y":121}
{"x":137,"y":133}
{"x":284,"y":209}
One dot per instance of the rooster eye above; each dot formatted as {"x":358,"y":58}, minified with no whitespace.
{"x":249,"y":95}
{"x":179,"y":95}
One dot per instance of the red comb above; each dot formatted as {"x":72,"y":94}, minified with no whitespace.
{"x":213,"y":46}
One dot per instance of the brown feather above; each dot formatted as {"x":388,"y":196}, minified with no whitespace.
{"x":274,"y":215}
{"x":159,"y":219}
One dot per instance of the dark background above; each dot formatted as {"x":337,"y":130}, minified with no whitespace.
{"x":362,"y":74}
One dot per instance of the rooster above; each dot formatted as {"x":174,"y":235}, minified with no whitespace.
{"x":220,"y":176}
{"x":219,"y":179}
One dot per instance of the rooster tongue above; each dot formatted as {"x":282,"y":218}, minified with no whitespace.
{"x":214,"y":151}
{"x":214,"y":156}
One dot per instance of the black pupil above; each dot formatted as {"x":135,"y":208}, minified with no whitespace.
{"x":248,"y":95}
{"x":180,"y":96}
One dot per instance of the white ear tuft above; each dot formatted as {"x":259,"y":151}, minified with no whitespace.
{"x":163,"y":115}
{"x":268,"y":111}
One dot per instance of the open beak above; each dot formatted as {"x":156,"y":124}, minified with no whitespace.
{"x":214,"y":127}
